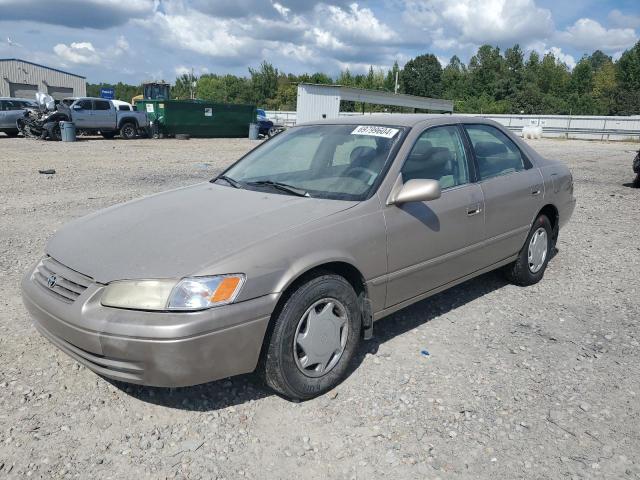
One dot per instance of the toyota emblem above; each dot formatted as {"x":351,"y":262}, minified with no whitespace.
{"x":51,"y":281}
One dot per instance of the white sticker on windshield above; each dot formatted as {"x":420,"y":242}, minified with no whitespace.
{"x":375,"y":131}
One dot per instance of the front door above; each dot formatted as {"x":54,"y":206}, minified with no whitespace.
{"x":81,"y":113}
{"x":433,"y":243}
{"x":512,"y":188}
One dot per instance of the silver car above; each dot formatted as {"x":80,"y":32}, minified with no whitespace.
{"x":284,"y":261}
{"x":11,"y":109}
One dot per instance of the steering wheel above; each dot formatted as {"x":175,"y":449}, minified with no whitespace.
{"x":360,"y":172}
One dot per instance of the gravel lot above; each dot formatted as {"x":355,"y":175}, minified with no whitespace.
{"x":538,"y":382}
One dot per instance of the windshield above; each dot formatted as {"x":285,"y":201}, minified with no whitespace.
{"x":339,"y":162}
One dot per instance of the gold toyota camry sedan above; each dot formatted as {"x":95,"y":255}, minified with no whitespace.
{"x":283,"y":262}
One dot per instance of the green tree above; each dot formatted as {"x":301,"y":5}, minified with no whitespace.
{"x":486,"y":68}
{"x":629,"y":69}
{"x":422,"y":76}
{"x":582,"y":78}
{"x":390,"y":79}
{"x":455,"y":80}
{"x":264,"y":82}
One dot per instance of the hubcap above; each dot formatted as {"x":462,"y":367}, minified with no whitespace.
{"x":537,"y":250}
{"x":321,"y":337}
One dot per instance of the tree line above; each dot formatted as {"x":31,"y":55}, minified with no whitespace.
{"x":492,"y":82}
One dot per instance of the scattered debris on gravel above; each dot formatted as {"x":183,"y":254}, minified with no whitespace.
{"x":487,"y":380}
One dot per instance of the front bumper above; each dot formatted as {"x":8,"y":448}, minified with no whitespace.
{"x":152,"y":348}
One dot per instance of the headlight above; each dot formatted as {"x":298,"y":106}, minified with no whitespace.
{"x":191,"y":293}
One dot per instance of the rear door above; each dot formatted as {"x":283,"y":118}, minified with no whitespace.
{"x":433,"y":243}
{"x":81,"y":113}
{"x":512,"y":189}
{"x":104,"y":116}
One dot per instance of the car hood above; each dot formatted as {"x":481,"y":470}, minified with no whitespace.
{"x":179,"y":232}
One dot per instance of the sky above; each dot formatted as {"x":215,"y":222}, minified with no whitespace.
{"x":137,"y":40}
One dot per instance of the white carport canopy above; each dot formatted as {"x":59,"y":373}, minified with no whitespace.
{"x":318,"y":101}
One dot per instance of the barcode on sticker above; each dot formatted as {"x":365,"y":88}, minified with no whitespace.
{"x":375,"y":131}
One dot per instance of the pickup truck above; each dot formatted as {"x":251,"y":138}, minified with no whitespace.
{"x":103,"y":116}
{"x":10,"y":110}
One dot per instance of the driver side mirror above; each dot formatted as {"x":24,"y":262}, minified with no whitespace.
{"x":416,"y":190}
{"x":77,"y":107}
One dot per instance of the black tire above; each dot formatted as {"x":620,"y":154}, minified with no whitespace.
{"x":108,"y":135}
{"x":12,"y":133}
{"x":128,"y":130}
{"x":278,"y":365}
{"x":520,"y":272}
{"x":636,"y":181}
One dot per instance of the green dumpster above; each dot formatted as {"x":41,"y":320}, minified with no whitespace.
{"x":199,"y":118}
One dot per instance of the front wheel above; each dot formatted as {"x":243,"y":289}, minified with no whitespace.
{"x":313,"y":339}
{"x":532,"y":262}
{"x":128,"y":130}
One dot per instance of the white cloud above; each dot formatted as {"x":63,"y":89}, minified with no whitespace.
{"x":84,"y":53}
{"x":182,"y":70}
{"x":281,"y":9}
{"x":565,"y":58}
{"x":354,"y":23}
{"x":472,"y":21}
{"x":624,"y":20}
{"x":78,"y":52}
{"x":198,"y":32}
{"x":588,"y":34}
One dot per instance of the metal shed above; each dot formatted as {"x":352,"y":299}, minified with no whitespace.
{"x":20,"y":78}
{"x":318,"y":101}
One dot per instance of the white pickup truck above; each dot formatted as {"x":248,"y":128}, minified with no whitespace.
{"x":103,"y":116}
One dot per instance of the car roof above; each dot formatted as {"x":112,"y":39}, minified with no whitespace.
{"x":395,"y":119}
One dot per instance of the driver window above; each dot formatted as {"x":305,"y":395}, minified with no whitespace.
{"x":439,"y":155}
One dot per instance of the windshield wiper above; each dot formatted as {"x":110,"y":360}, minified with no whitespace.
{"x":281,"y":186}
{"x":234,"y":183}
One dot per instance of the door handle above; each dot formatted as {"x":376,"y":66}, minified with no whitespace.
{"x":471,"y":211}
{"x":536,"y":192}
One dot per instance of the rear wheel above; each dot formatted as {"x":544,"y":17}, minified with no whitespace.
{"x":532,"y":262}
{"x":128,"y":130}
{"x":313,"y":338}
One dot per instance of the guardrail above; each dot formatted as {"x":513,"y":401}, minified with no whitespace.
{"x":564,"y":126}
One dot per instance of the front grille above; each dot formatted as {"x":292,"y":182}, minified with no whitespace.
{"x":68,"y":284}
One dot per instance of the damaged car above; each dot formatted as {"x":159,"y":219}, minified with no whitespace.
{"x":90,"y":116}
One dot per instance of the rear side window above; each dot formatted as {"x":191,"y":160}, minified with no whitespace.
{"x":125,"y":108}
{"x":496,"y":153}
{"x":439,"y":155}
{"x":84,"y":104}
{"x":101,"y":105}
